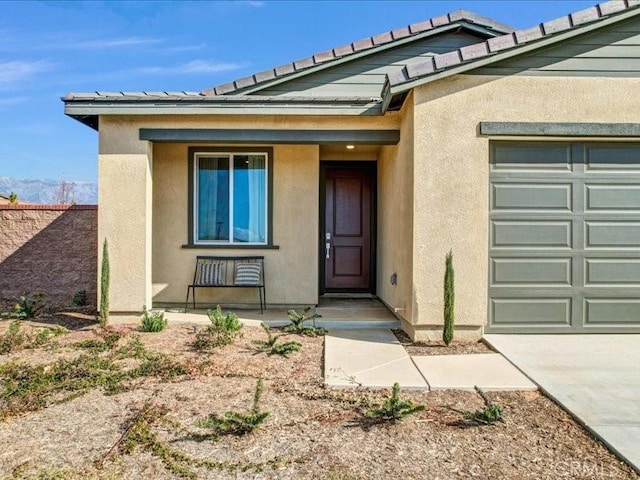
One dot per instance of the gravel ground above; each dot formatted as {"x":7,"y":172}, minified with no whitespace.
{"x":439,"y":348}
{"x":311,"y":432}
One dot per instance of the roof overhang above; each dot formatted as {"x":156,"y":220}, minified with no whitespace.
{"x":87,"y":108}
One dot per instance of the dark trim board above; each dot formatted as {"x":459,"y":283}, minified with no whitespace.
{"x":262,"y":136}
{"x":372,"y":167}
{"x":231,"y":246}
{"x":548,"y":129}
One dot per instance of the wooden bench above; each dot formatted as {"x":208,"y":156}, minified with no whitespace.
{"x":228,"y":272}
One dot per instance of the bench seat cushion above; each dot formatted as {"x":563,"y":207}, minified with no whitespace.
{"x":247,"y":274}
{"x":211,"y":274}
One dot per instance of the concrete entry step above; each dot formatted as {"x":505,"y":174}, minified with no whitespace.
{"x":352,"y":313}
{"x":337,"y":314}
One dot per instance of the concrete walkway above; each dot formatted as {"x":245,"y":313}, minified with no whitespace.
{"x":368,"y":358}
{"x":376,"y":359}
{"x":595,"y":377}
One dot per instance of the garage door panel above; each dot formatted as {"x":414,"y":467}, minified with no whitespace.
{"x":532,"y":311}
{"x":531,"y":234}
{"x":612,"y":272}
{"x":611,"y":158}
{"x":531,"y":196}
{"x":507,"y":272}
{"x":612,"y":235}
{"x":611,"y":311}
{"x":612,"y":197}
{"x":530,"y":156}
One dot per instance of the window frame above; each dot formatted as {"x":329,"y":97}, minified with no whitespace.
{"x":196,"y":152}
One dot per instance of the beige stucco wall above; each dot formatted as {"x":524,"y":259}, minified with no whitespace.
{"x":451,"y":187}
{"x":395,"y":219}
{"x":125,"y":193}
{"x":143,"y":199}
{"x":291,"y":271}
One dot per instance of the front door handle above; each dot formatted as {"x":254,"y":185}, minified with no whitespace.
{"x":328,"y":249}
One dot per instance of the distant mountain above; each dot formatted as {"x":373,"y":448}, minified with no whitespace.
{"x":48,"y":191}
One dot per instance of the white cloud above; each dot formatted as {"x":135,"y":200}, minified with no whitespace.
{"x":193,"y":67}
{"x":14,"y":73}
{"x":182,"y":48}
{"x":255,"y":3}
{"x":114,"y":42}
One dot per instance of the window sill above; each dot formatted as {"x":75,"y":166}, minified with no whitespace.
{"x":234,"y":246}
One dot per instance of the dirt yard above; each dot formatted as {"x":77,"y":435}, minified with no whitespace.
{"x":119,"y":403}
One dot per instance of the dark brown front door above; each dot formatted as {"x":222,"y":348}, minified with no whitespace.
{"x":347,"y":246}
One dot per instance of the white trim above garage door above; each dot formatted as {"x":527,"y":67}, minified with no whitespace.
{"x":564,"y":237}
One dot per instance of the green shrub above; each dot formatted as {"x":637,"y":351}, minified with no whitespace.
{"x":224,"y":329}
{"x":297,"y":321}
{"x":45,"y":334}
{"x":15,"y":339}
{"x":95,"y":345}
{"x":13,"y":198}
{"x":449,"y":299}
{"x":393,"y":408}
{"x":103,"y":314}
{"x":271,"y":345}
{"x":234,"y":423}
{"x":27,"y":307}
{"x":153,"y":321}
{"x":158,"y":365}
{"x":140,"y":433}
{"x":25,"y":387}
{"x":79,"y":298}
{"x":488,"y":415}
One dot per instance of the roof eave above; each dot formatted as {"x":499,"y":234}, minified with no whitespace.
{"x":88,"y":111}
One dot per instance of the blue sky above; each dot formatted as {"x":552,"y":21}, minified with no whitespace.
{"x":48,"y":49}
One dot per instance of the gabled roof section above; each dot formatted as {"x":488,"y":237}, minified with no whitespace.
{"x":367,"y":46}
{"x":509,"y":45}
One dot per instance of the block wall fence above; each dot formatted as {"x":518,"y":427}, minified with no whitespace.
{"x":49,"y":249}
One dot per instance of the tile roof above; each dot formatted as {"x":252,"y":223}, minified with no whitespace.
{"x":369,"y":43}
{"x":511,"y":41}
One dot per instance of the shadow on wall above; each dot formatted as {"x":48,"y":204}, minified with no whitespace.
{"x":49,"y":249}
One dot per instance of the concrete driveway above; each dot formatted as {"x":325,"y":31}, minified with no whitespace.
{"x":595,"y":377}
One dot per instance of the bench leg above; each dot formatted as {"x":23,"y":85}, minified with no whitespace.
{"x":263,"y":299}
{"x":186,"y":302}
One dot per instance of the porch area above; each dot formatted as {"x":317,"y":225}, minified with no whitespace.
{"x":337,"y":313}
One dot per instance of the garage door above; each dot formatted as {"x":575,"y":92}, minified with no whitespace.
{"x":564,"y":252}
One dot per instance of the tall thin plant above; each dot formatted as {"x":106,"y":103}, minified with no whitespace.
{"x":104,"y":286}
{"x":449,"y":300}
{"x":13,"y":198}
